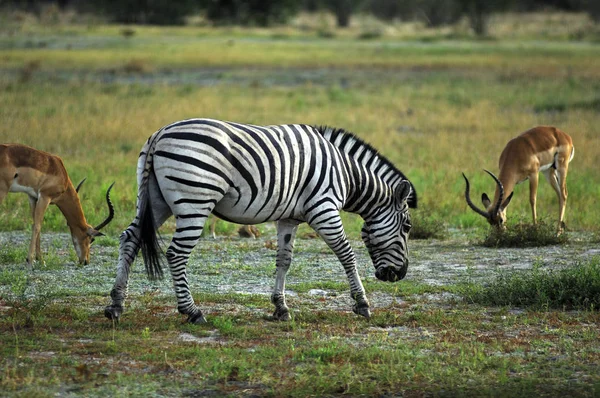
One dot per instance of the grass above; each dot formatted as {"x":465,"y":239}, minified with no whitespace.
{"x":525,"y":235}
{"x":422,"y":338}
{"x":575,"y":287}
{"x":435,"y":107}
{"x":410,"y":351}
{"x":417,"y":120}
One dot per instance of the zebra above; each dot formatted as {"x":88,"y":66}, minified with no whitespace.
{"x":251,"y":174}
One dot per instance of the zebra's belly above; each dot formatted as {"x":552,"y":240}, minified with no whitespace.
{"x":239,"y":210}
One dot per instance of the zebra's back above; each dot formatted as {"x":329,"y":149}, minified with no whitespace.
{"x":250,"y":174}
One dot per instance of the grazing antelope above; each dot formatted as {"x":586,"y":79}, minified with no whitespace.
{"x":543,"y":149}
{"x":42,"y":176}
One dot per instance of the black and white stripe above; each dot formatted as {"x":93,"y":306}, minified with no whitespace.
{"x":251,"y":174}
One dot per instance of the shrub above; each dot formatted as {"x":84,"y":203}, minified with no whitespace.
{"x":576,"y":287}
{"x":525,"y":235}
{"x":427,"y":228}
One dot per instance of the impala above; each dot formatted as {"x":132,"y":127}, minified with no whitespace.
{"x":543,"y":149}
{"x":43,"y":177}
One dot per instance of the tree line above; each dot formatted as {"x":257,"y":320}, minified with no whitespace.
{"x":274,"y":12}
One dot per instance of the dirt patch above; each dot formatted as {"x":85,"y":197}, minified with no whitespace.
{"x":234,"y":265}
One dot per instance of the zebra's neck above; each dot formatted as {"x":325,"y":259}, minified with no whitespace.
{"x":372,"y":177}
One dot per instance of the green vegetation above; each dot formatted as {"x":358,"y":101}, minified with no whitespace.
{"x":436,"y":107}
{"x":466,"y":350}
{"x":525,"y":235}
{"x":577,"y":286}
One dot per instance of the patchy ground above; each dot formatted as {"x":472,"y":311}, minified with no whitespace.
{"x":419,"y":342}
{"x":236,"y":265}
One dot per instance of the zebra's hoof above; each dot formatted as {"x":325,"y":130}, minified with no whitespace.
{"x":282,"y":315}
{"x":197,"y":319}
{"x":362,"y":311}
{"x":113,"y":312}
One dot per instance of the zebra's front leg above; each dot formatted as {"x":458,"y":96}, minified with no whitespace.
{"x":184,"y":240}
{"x":286,"y":234}
{"x":329,"y":226}
{"x":128,"y":250}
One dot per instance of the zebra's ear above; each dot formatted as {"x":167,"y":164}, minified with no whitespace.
{"x":403,"y":191}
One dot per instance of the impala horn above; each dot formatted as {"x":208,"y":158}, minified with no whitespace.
{"x":475,"y":208}
{"x":111,"y":210}
{"x":80,"y":184}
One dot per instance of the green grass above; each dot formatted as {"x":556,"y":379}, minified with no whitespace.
{"x":409,"y":351}
{"x":434,"y":118}
{"x":574,"y":287}
{"x":525,"y":235}
{"x":433,"y":106}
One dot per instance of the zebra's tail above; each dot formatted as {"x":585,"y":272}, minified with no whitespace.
{"x":149,"y":237}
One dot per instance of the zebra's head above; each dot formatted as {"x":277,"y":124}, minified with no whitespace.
{"x":385,"y":234}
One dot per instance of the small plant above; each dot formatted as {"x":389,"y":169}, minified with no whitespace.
{"x":13,"y":254}
{"x":127,"y":32}
{"x":29,"y":69}
{"x":525,"y":235}
{"x":17,"y":280}
{"x":370,"y":34}
{"x":136,"y":66}
{"x":575,"y":287}
{"x":224,"y":324}
{"x":427,"y":228}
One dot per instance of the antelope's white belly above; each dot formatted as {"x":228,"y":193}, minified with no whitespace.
{"x":15,"y":187}
{"x":546,"y":166}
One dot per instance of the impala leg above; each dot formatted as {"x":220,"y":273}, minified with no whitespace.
{"x":286,"y":234}
{"x":533,"y":186}
{"x":329,"y":226}
{"x":38,"y":218}
{"x":558,"y":179}
{"x":38,"y":248}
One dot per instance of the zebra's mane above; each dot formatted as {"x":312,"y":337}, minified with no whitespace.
{"x":347,"y":142}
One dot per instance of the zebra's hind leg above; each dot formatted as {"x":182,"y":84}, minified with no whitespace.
{"x":286,"y":234}
{"x":128,"y":249}
{"x":184,"y":240}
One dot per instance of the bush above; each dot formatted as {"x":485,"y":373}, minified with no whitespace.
{"x":158,"y":12}
{"x":427,"y":227}
{"x":254,"y":12}
{"x":577,"y":287}
{"x":525,"y":235}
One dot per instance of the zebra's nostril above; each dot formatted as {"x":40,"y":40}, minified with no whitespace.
{"x":390,"y":273}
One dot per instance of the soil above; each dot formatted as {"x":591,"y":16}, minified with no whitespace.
{"x":237,"y":265}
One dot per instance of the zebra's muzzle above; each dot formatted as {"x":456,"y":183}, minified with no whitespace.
{"x":390,"y":273}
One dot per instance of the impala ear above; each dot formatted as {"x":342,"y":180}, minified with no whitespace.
{"x":507,"y":201}
{"x":485,"y":200}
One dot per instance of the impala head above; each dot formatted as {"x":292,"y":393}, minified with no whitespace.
{"x":84,"y":237}
{"x":494,"y":213}
{"x":385,"y":234}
